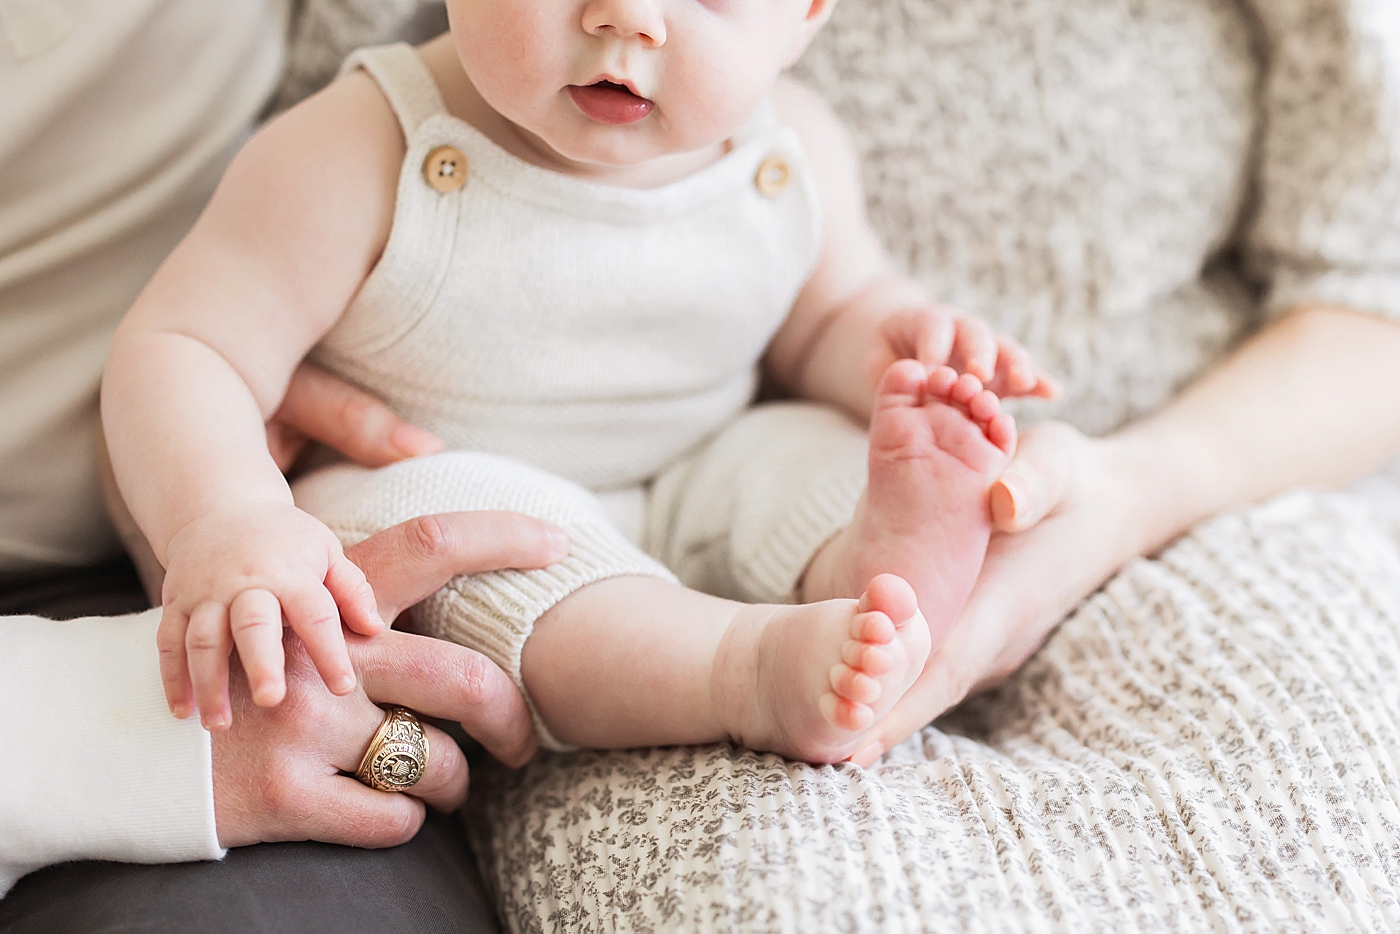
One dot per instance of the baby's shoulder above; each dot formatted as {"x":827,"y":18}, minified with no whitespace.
{"x":350,"y":116}
{"x":831,"y":156}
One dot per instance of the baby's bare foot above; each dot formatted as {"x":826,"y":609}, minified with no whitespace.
{"x":810,"y":681}
{"x":937,"y":444}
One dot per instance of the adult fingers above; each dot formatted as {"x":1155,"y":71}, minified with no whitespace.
{"x":285,"y":444}
{"x":313,"y":615}
{"x":208,"y":644}
{"x":448,"y":682}
{"x":174,"y":663}
{"x":444,"y":782}
{"x":406,"y":563}
{"x":352,"y":814}
{"x":1039,"y":480}
{"x":349,"y":420}
{"x":255,"y":620}
{"x":354,"y":596}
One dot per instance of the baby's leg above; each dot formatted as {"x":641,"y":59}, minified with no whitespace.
{"x":495,"y":612}
{"x":937,"y":444}
{"x":617,"y":654}
{"x":639,"y":662}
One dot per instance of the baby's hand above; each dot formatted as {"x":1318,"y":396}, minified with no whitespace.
{"x":943,"y":336}
{"x":234,"y":577}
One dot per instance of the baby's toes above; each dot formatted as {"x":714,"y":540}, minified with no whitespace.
{"x":984,"y":407}
{"x":891,"y":595}
{"x":941,"y":380}
{"x":965,"y":389}
{"x":846,"y":714}
{"x":872,"y":628}
{"x":874,"y":660}
{"x":854,"y":685}
{"x":1001,"y":431}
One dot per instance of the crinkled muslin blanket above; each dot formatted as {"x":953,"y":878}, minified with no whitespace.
{"x":1209,"y":744}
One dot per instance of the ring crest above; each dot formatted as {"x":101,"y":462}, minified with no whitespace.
{"x":398,"y":753}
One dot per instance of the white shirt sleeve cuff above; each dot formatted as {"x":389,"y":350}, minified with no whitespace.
{"x":98,"y":767}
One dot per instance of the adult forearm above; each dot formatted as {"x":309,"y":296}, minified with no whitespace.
{"x":1312,"y":400}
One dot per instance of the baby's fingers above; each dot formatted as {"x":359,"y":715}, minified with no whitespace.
{"x":208,"y":643}
{"x":1015,"y":375}
{"x":313,"y":615}
{"x":975,"y":349}
{"x":255,"y":619}
{"x":174,"y":664}
{"x":353,"y":594}
{"x":934,"y":337}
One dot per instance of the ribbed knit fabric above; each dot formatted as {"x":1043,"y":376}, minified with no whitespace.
{"x":596,"y":332}
{"x":740,"y":519}
{"x":493,"y":613}
{"x":574,"y":338}
{"x":743,"y":517}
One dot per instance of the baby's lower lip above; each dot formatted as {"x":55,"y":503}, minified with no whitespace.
{"x":609,"y":103}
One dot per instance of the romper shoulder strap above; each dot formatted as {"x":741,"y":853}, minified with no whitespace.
{"x":405,"y":81}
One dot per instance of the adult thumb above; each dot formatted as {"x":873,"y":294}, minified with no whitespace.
{"x":1040,"y":478}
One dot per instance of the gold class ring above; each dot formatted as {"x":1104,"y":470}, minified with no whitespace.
{"x":398,"y":753}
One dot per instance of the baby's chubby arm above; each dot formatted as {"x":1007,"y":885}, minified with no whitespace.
{"x":200,"y":363}
{"x":858,"y":314}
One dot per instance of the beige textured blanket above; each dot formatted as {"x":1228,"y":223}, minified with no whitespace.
{"x":1210,"y":744}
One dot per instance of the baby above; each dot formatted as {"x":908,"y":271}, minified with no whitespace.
{"x":566,"y":237}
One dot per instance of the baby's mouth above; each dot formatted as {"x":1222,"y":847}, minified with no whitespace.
{"x":609,"y":102}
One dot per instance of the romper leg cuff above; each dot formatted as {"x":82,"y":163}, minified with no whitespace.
{"x":495,"y":612}
{"x":814,"y":515}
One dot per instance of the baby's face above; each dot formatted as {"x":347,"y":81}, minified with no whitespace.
{"x":619,"y":82}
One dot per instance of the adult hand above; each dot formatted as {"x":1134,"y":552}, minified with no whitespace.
{"x":1068,"y":520}
{"x":320,"y":407}
{"x":277,"y":772}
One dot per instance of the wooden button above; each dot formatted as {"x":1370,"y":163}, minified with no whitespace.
{"x":445,"y":169}
{"x":773,"y":176}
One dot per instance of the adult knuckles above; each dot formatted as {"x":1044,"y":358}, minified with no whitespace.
{"x":203,"y":640}
{"x":478,"y":679}
{"x":430,"y":539}
{"x":283,"y":794}
{"x":384,"y":828}
{"x":357,"y":416}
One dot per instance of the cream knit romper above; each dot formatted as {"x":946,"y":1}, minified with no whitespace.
{"x":589,"y":353}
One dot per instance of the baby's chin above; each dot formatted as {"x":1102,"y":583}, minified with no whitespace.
{"x":619,"y":147}
{"x":579,"y":143}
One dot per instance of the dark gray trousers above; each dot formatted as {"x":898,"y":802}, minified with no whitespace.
{"x":428,"y":886}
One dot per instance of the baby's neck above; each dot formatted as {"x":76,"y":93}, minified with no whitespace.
{"x":464,"y":103}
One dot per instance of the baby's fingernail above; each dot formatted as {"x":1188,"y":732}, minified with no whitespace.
{"x":344,"y":685}
{"x":558,"y":542}
{"x":414,"y":441}
{"x":215,"y":722}
{"x":181,"y":711}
